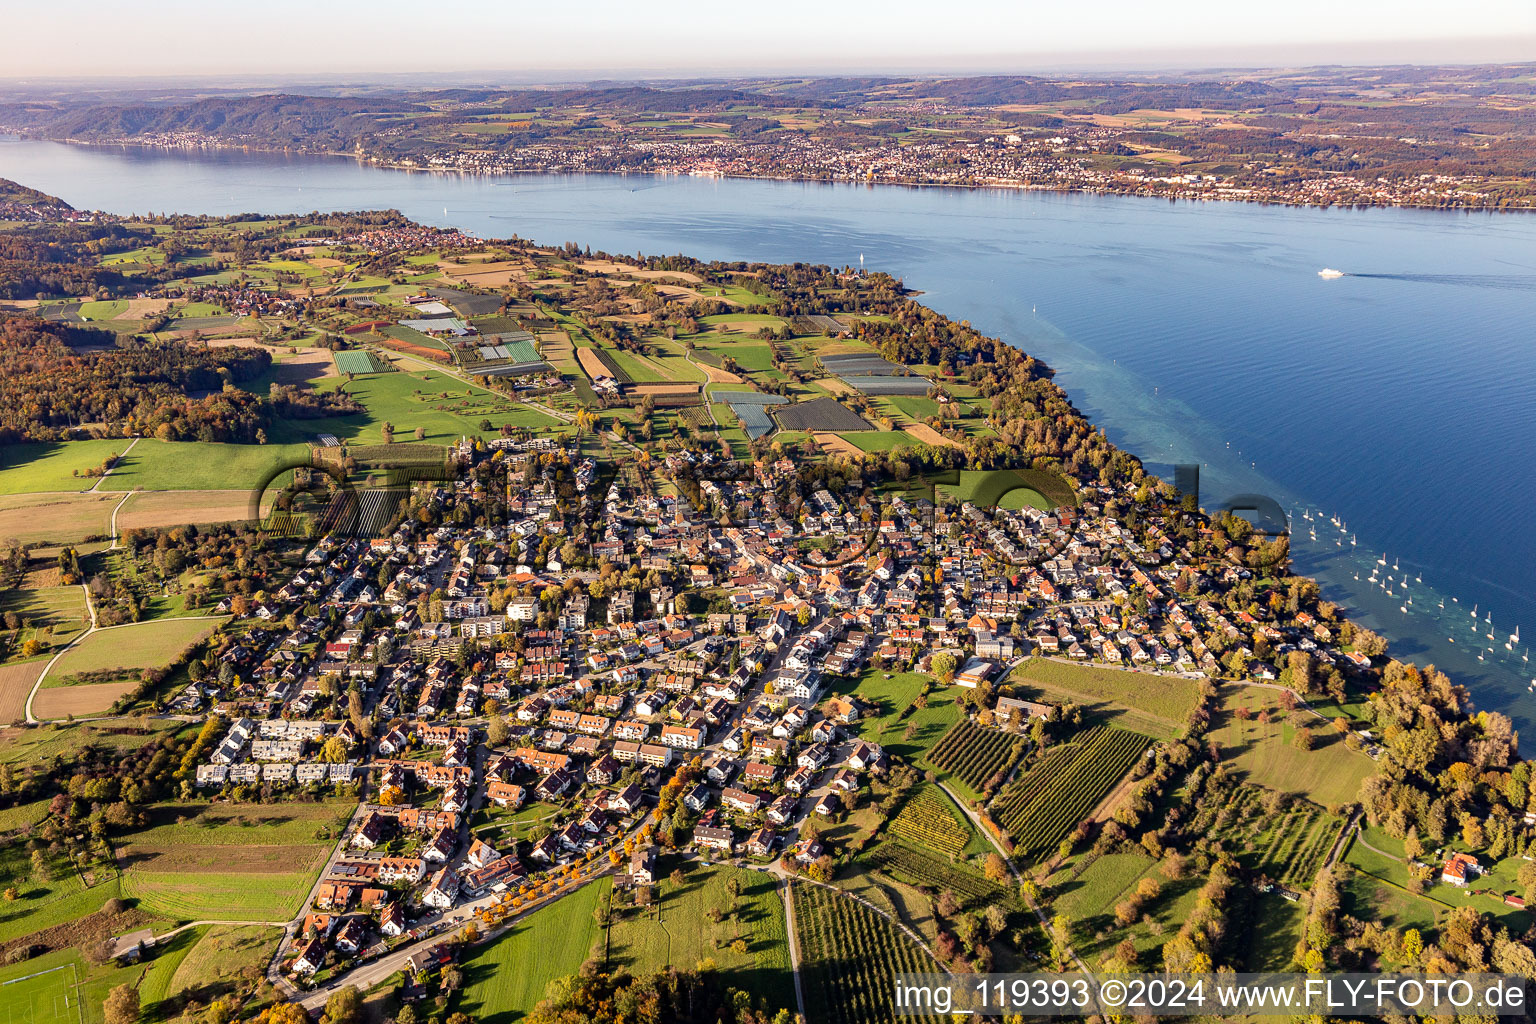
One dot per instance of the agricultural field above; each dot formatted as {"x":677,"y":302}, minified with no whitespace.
{"x":1266,"y":753}
{"x":1158,"y":705}
{"x":506,"y":978}
{"x":931,"y":874}
{"x":241,"y":862}
{"x":676,"y":930}
{"x":444,"y":407}
{"x":1057,"y":791}
{"x":138,"y":645}
{"x":1288,"y":843}
{"x":146,"y":510}
{"x":60,"y":518}
{"x":974,"y":754}
{"x":848,"y":955}
{"x":928,"y":820}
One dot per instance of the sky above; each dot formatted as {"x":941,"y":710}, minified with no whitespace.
{"x":551,"y":39}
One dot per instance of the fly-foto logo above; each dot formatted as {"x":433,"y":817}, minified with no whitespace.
{"x":335,"y":497}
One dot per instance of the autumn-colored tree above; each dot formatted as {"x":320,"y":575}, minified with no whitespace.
{"x":121,"y":1005}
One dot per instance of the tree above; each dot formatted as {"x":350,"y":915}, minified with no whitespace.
{"x":943,"y":667}
{"x":41,"y":872}
{"x":997,"y":868}
{"x":121,"y":1005}
{"x":496,"y":734}
{"x":344,"y":1007}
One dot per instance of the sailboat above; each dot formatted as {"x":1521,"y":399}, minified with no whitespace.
{"x":1514,"y":638}
{"x":1394,"y":565}
{"x":1382,"y":560}
{"x":1352,"y":540}
{"x":1474,"y":609}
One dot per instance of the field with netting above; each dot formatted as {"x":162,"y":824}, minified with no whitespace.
{"x":1058,"y":791}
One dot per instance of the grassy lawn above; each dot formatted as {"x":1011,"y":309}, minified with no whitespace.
{"x":60,"y":609}
{"x":974,"y":486}
{"x":1370,"y":898}
{"x":156,"y":465}
{"x":32,"y":746}
{"x":1329,"y":774}
{"x":51,"y":466}
{"x":43,"y":904}
{"x":222,"y":959}
{"x":676,"y":930}
{"x":878,"y":441}
{"x":506,"y":978}
{"x":1140,"y":701}
{"x":140,"y":645}
{"x":1089,"y":898}
{"x":893,"y":696}
{"x":63,"y":988}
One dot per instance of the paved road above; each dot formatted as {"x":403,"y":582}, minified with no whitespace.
{"x":367,"y":975}
{"x":291,"y":928}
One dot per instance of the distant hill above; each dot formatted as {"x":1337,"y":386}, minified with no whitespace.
{"x":13,"y":192}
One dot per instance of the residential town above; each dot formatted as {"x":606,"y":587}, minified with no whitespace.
{"x":679,"y":682}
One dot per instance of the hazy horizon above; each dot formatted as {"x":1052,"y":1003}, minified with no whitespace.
{"x":607,"y":39}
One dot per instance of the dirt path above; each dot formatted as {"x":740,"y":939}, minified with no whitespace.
{"x":1342,"y":843}
{"x":115,"y":540}
{"x":794,"y":943}
{"x":115,"y":463}
{"x":32,"y":719}
{"x":1045,"y":922}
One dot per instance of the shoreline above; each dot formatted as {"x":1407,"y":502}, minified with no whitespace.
{"x":1063,"y":188}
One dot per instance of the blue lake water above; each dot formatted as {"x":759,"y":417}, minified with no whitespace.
{"x":1400,"y":399}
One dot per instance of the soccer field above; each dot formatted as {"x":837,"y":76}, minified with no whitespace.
{"x":49,"y":996}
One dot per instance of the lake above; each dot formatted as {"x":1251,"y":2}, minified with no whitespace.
{"x":1400,"y":399}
